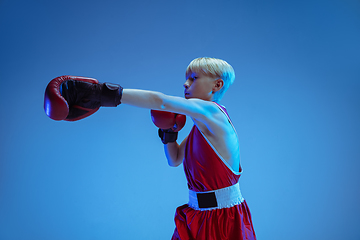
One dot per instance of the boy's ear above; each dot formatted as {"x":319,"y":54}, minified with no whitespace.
{"x":219,"y":83}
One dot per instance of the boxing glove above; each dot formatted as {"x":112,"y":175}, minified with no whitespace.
{"x":73,"y":98}
{"x":169,"y":124}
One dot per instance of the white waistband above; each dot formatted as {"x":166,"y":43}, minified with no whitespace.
{"x":225,"y":197}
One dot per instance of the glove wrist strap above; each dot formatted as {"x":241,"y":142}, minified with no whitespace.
{"x":111,"y":94}
{"x":167,"y":135}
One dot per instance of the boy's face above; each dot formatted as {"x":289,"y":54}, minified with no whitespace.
{"x":199,"y":85}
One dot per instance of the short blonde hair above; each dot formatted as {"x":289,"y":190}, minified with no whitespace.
{"x":213,"y":67}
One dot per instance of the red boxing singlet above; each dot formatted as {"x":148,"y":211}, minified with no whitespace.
{"x":206,"y":171}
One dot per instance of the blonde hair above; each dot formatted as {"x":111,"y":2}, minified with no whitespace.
{"x":213,"y":67}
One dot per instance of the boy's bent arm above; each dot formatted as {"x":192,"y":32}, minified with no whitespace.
{"x":207,"y":116}
{"x":175,"y":153}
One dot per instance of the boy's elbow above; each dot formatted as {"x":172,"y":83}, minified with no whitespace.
{"x":174,"y":164}
{"x":159,"y":100}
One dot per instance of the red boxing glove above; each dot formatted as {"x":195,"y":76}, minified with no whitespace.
{"x":168,"y":123}
{"x":73,"y":98}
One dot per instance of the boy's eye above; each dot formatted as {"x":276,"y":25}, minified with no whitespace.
{"x":192,"y":78}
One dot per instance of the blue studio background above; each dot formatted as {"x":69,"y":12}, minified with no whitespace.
{"x":295,"y":104}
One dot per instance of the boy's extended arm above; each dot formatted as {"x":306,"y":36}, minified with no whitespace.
{"x":65,"y":95}
{"x":205,"y":114}
{"x":196,"y":108}
{"x":73,"y":98}
{"x":143,"y":98}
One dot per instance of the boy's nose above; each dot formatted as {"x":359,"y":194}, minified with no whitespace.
{"x":186,"y":84}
